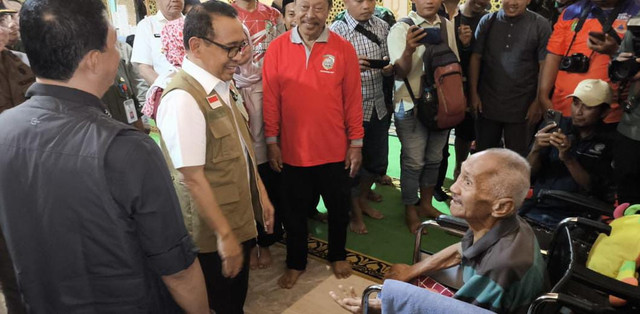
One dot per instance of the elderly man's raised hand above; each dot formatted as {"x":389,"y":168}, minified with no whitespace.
{"x":348,"y":300}
{"x":400,"y":272}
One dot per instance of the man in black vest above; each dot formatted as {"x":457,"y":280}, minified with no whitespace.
{"x":87,"y":207}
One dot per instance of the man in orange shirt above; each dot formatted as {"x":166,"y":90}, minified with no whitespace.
{"x":585,"y":28}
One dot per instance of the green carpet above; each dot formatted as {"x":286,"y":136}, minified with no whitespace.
{"x":389,"y":239}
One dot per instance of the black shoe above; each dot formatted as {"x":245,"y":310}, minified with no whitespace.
{"x":440,"y":195}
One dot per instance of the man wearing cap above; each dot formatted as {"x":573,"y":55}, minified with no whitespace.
{"x":574,"y":156}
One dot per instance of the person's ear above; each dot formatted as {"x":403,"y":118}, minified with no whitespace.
{"x":195,"y":45}
{"x":502,"y":207}
{"x":91,"y":62}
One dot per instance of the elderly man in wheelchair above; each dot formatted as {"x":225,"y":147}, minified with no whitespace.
{"x":503,"y":270}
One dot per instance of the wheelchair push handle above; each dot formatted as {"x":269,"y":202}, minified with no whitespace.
{"x":365,"y":296}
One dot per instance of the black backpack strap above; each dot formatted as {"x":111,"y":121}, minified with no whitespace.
{"x":607,"y":22}
{"x":369,"y":34}
{"x":407,"y":20}
{"x":413,"y":96}
{"x":443,"y":30}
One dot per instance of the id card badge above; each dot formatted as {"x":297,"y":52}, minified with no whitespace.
{"x":130,"y":111}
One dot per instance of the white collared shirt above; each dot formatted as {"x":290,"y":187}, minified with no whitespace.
{"x":181,"y":122}
{"x":147,"y":46}
{"x":397,"y":41}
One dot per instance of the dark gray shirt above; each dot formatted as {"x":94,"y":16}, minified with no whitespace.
{"x":511,"y":50}
{"x":85,"y":240}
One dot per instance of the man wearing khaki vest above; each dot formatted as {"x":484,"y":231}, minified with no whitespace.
{"x":205,"y":128}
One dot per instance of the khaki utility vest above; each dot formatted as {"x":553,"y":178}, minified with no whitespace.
{"x":225,"y":168}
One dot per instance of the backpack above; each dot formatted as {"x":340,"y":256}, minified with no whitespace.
{"x":443,"y":103}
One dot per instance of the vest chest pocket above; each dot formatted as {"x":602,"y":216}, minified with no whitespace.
{"x":224,"y":143}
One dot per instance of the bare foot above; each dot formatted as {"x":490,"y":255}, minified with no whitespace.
{"x":411,"y":218}
{"x":358,"y":226}
{"x":289,"y":278}
{"x":374,"y":197}
{"x":368,"y":210}
{"x":341,"y":269}
{"x":385,"y":180}
{"x":253,"y":258}
{"x":264,"y":261}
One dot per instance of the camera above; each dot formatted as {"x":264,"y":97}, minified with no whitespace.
{"x":576,"y":63}
{"x":624,"y":70}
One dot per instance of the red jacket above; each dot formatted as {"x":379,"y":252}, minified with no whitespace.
{"x":314,"y":106}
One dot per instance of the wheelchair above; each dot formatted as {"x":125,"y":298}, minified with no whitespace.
{"x":575,"y":288}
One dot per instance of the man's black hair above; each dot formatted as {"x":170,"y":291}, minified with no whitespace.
{"x":57,"y":34}
{"x":197,"y":23}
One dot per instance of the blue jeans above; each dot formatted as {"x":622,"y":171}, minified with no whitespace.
{"x":420,"y":155}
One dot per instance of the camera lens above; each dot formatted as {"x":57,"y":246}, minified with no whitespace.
{"x":565,"y":63}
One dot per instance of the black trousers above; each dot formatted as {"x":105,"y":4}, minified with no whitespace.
{"x":300,"y":185}
{"x":226,"y":295}
{"x":626,"y":157}
{"x":517,"y":136}
{"x":272,"y":182}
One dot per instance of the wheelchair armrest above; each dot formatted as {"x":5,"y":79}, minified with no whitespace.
{"x":585,"y":224}
{"x":607,"y":285}
{"x":591,"y":204}
{"x":451,"y":222}
{"x":432,"y":224}
{"x":365,"y":296}
{"x":565,"y":300}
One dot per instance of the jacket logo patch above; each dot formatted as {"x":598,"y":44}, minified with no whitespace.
{"x":597,"y":149}
{"x":328,"y":61}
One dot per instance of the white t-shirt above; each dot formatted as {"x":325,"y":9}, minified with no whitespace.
{"x":147,"y":46}
{"x":182,"y":124}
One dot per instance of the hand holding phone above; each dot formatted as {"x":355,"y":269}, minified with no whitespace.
{"x":433,"y":35}
{"x":377,"y":63}
{"x":552,"y":116}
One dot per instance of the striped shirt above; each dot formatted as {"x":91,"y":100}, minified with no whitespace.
{"x":372,"y":93}
{"x":503,"y":271}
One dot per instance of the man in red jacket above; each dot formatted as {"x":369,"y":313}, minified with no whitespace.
{"x":313,"y":124}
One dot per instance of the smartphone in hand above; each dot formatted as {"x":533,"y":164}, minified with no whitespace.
{"x":377,"y":63}
{"x":433,"y":35}
{"x":552,"y":116}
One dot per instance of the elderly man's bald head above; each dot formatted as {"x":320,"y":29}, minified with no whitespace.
{"x":509,"y":176}
{"x":492,"y":183}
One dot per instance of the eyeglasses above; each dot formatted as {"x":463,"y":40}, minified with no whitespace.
{"x":231,"y":51}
